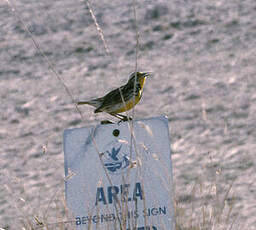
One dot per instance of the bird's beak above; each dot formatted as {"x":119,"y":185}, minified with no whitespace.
{"x":147,"y":74}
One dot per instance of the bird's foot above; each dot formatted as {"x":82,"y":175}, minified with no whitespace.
{"x":124,"y":119}
{"x":105,"y":122}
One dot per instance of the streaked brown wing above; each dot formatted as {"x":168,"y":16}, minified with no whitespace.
{"x":114,"y":97}
{"x":109,"y":100}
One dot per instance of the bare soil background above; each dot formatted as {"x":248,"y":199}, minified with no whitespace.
{"x":202,"y":55}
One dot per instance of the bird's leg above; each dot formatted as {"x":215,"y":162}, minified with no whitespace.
{"x":121,"y":117}
{"x":105,"y":122}
{"x":117,"y":116}
{"x":124,"y":118}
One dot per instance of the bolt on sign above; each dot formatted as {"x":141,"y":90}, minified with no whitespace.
{"x":119,"y":176}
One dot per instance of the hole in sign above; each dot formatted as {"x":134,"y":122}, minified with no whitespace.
{"x":116,"y":132}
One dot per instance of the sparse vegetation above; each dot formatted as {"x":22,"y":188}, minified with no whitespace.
{"x":209,"y":201}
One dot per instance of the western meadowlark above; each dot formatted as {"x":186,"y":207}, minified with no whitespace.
{"x":121,"y":99}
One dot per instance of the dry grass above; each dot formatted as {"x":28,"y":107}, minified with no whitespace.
{"x":205,"y":207}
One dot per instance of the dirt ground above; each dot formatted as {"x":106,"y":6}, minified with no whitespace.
{"x":202,"y":56}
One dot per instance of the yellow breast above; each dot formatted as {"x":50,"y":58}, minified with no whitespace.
{"x":129,"y":104}
{"x":120,"y":108}
{"x":142,"y":81}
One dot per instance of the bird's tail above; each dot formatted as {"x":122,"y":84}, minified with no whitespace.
{"x":95,"y":102}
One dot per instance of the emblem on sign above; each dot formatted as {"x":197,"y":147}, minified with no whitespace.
{"x":116,"y":157}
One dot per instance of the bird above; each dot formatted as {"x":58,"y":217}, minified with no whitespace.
{"x":122,"y":98}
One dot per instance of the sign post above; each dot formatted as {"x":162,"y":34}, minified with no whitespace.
{"x":121,"y":176}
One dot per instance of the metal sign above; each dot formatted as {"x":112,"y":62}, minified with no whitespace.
{"x":119,"y":176}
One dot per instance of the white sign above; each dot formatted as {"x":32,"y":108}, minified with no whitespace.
{"x":119,"y":176}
